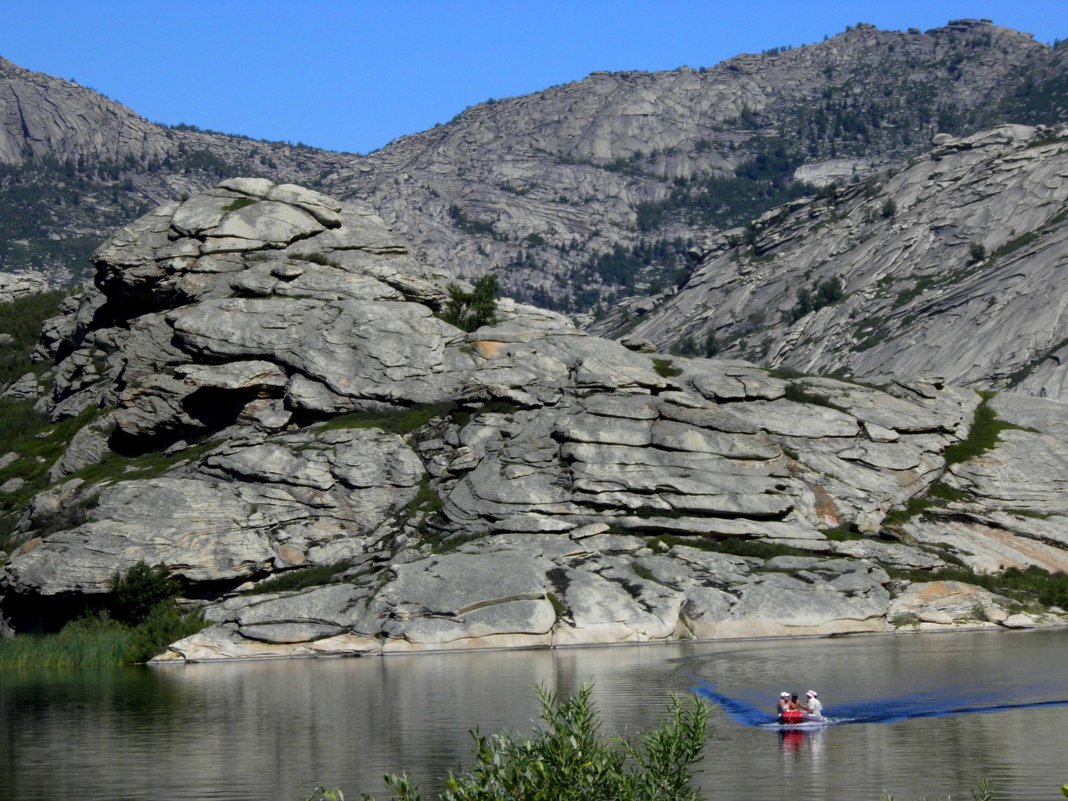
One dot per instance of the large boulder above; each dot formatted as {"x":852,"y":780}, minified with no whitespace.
{"x":282,"y":394}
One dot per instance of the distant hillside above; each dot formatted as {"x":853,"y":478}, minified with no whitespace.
{"x":74,"y":166}
{"x":577,"y":195}
{"x":952,"y":266}
{"x":596,"y":189}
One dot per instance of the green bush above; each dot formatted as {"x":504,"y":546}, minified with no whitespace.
{"x":472,"y":310}
{"x":21,"y":319}
{"x":239,"y":203}
{"x":399,"y":421}
{"x":570,"y":760}
{"x":99,"y":639}
{"x":1028,"y":586}
{"x":826,"y":293}
{"x":984,"y":791}
{"x":164,"y":624}
{"x":140,"y":589}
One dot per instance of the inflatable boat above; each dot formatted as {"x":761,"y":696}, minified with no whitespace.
{"x":796,"y":719}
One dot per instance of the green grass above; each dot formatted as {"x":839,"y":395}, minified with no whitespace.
{"x":38,"y":443}
{"x":402,"y":421}
{"x":84,"y":642}
{"x":559,"y":607}
{"x":944,"y":492}
{"x":982,"y":435}
{"x":239,"y":203}
{"x":301,"y":578}
{"x":116,"y":467}
{"x":842,"y":534}
{"x":1023,"y":240}
{"x":786,"y":373}
{"x":665,"y":369}
{"x":735,"y":546}
{"x":426,"y":500}
{"x":922,"y":284}
{"x":798,"y":394}
{"x":913,"y":507}
{"x":1029,"y":586}
{"x":22,"y":319}
{"x":100,"y":640}
{"x":316,"y":258}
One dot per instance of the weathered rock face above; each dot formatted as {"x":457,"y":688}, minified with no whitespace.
{"x":949,"y":266}
{"x":545,"y":487}
{"x":18,"y":285}
{"x":538,"y":187}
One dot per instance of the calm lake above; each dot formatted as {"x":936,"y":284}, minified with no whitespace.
{"x":928,"y":715}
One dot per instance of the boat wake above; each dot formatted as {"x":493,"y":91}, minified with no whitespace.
{"x":878,"y":710}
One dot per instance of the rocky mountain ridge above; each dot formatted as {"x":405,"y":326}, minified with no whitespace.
{"x":576,"y":194}
{"x":263,"y":382}
{"x":539,"y":186}
{"x":950,"y":266}
{"x":74,"y":166}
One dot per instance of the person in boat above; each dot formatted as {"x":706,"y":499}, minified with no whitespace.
{"x":790,"y":711}
{"x":784,"y":703}
{"x":815,"y":707}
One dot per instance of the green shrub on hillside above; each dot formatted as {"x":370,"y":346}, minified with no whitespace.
{"x":301,"y":579}
{"x":665,"y":369}
{"x":472,"y":310}
{"x":21,"y":319}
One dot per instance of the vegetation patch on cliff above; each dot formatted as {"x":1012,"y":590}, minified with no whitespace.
{"x":983,"y":435}
{"x":401,"y":421}
{"x":1029,"y":587}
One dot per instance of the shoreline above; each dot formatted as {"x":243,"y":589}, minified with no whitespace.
{"x":938,"y":629}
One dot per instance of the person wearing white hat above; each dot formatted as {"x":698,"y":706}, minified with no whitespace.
{"x":815,"y":707}
{"x":784,"y":702}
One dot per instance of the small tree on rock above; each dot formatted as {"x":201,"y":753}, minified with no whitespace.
{"x":474,"y":309}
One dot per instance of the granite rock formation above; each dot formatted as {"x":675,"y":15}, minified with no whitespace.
{"x":540,"y":187}
{"x":948,"y":266}
{"x":268,"y":386}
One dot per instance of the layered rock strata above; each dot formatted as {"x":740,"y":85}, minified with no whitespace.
{"x":949,"y":266}
{"x":270,"y":387}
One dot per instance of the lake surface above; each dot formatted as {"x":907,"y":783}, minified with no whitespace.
{"x":929,"y":715}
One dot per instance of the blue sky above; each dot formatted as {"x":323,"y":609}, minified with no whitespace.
{"x":354,"y":75}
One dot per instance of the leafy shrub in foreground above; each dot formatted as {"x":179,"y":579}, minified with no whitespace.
{"x":570,"y":760}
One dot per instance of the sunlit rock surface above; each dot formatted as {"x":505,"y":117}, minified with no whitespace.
{"x":950,"y":266}
{"x":280,"y":394}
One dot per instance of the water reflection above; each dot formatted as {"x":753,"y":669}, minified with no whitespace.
{"x":263,"y":730}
